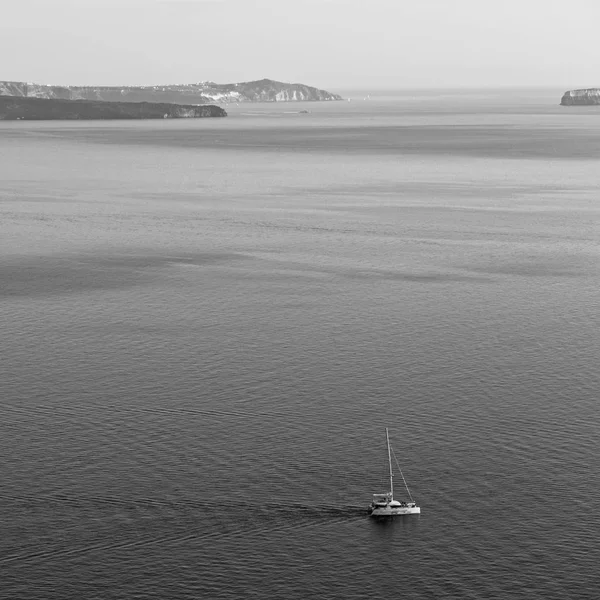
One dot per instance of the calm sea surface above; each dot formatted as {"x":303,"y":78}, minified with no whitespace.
{"x":206,"y":326}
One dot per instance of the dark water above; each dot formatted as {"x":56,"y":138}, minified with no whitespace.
{"x":206,"y":327}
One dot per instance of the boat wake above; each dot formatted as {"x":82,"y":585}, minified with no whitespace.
{"x":195,"y":522}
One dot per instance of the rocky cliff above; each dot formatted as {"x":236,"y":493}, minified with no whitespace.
{"x":585,"y":97}
{"x":264,"y":90}
{"x":16,"y":108}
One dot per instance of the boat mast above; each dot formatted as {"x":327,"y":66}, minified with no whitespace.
{"x":387,"y":437}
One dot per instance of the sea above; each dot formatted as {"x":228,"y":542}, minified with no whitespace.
{"x":206,"y":326}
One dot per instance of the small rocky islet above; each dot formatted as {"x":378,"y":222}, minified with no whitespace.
{"x":583,"y":97}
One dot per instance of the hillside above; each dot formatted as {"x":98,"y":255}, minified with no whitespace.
{"x":206,"y":92}
{"x":21,"y":108}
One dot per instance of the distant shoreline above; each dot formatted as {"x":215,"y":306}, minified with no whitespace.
{"x":15,"y":108}
{"x":206,"y":92}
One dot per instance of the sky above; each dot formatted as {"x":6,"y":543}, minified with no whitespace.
{"x":331,"y":44}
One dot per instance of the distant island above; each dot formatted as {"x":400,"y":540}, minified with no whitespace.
{"x":24,"y":108}
{"x":585,"y":97}
{"x":206,"y":92}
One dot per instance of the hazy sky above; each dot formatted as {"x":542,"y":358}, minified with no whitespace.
{"x":334,"y":44}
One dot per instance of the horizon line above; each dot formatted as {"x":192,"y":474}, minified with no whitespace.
{"x":343,"y":87}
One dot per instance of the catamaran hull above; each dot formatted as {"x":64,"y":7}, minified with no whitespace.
{"x":393,"y":512}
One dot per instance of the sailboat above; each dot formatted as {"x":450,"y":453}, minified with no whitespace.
{"x":384,"y":505}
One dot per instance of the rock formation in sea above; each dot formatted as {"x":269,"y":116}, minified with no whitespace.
{"x":586,"y":97}
{"x":205,"y":92}
{"x":16,"y":108}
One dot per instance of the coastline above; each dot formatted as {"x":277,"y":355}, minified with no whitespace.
{"x":14,"y":108}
